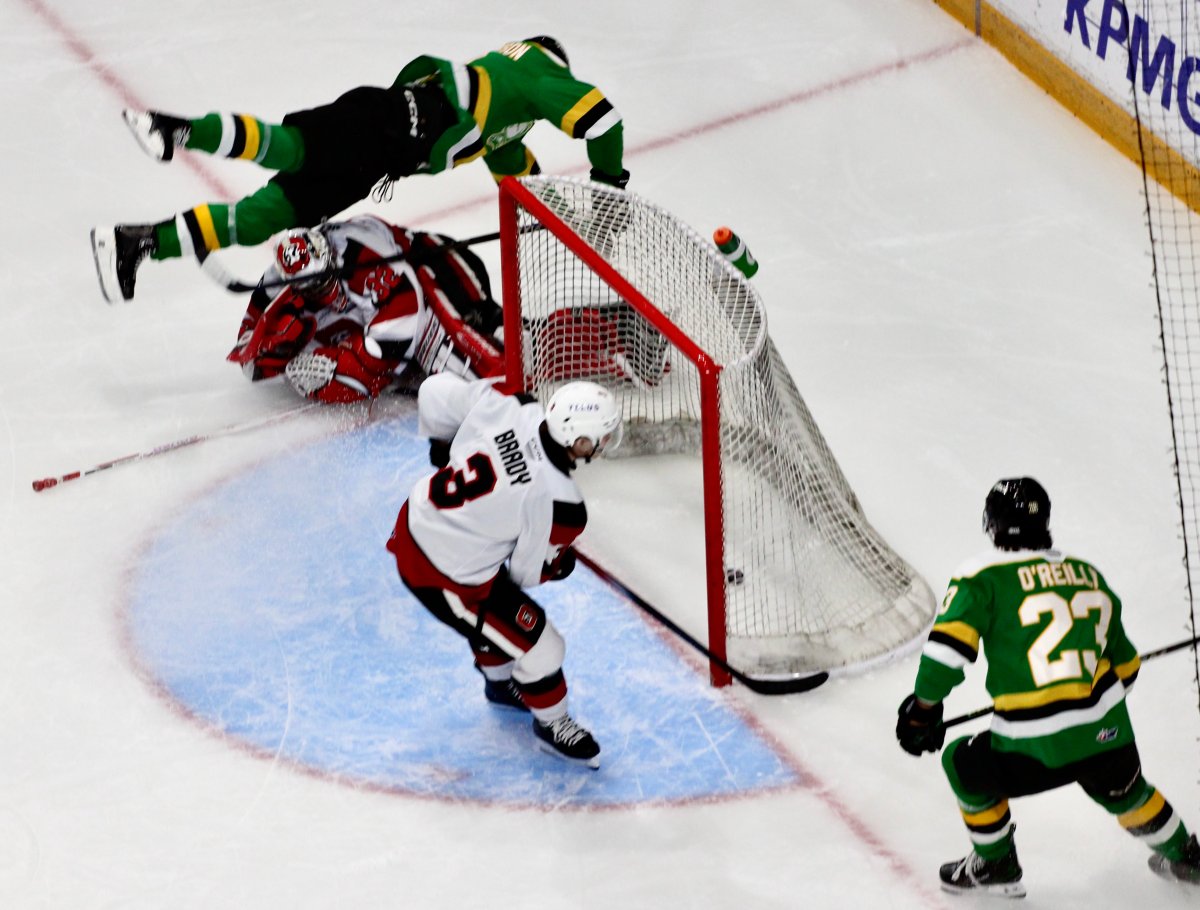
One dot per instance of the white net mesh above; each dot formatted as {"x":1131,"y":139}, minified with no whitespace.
{"x":1166,"y":32}
{"x":814,"y":586}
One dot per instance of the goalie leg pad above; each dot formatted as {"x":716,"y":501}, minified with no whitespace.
{"x":447,"y":344}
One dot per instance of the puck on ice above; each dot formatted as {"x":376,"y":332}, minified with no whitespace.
{"x":734,"y":576}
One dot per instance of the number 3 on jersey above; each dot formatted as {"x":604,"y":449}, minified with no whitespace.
{"x":449,"y":489}
{"x":1069,"y":664}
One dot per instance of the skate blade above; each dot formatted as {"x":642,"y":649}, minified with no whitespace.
{"x":593,"y":762}
{"x":1011,"y":890}
{"x":104,"y":253}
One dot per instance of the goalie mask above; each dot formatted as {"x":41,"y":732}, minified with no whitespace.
{"x":1016,"y":515}
{"x":584,"y":410}
{"x":305,"y":258}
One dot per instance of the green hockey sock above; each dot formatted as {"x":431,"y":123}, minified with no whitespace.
{"x":1153,"y":821}
{"x":214,"y":226}
{"x":279,"y":148}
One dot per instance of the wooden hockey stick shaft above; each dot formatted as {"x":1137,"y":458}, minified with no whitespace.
{"x":47,"y":482}
{"x":761,"y":686}
{"x":1149,"y":655}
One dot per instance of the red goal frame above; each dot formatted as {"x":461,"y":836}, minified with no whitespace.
{"x":513,"y":198}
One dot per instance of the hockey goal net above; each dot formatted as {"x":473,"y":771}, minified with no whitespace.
{"x":606,"y":286}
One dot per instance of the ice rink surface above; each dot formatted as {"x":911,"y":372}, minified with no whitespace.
{"x":956,"y":272}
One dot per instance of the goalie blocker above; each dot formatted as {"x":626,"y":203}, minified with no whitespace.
{"x":356,"y":317}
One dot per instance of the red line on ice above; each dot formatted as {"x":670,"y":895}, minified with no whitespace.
{"x":84,"y":53}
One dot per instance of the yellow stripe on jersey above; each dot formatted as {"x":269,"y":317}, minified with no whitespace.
{"x":1126,"y":670}
{"x":582,"y":106}
{"x":484,"y":102}
{"x":959,"y":631}
{"x":987,"y":816}
{"x":1135,"y":818}
{"x":1074,"y":691}
{"x":208,"y":230}
{"x":253,"y":137}
{"x":530,"y":163}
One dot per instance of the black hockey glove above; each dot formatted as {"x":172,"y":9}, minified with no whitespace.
{"x":439,"y":453}
{"x":610,"y":212}
{"x":620,"y":181}
{"x":566,"y":565}
{"x":918,"y":728}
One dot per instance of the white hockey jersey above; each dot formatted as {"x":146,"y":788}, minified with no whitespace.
{"x":362,"y":239}
{"x":506,"y":494}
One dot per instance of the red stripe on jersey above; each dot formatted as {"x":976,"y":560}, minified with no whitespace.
{"x":416,"y":569}
{"x":518,"y":638}
{"x":490,"y":658}
{"x":545,"y":699}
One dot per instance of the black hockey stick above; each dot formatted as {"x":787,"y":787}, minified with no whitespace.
{"x":1149,"y":655}
{"x":215,"y":270}
{"x":761,"y":686}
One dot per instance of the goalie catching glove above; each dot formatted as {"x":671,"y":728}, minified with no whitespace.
{"x":341,"y":375}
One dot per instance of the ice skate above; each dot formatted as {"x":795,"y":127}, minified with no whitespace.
{"x":975,"y":875}
{"x":158,"y":134}
{"x":118,"y":252}
{"x":566,"y":739}
{"x":503,"y":693}
{"x":1186,"y":869}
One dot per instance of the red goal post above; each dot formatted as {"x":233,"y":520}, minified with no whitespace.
{"x":603,"y":285}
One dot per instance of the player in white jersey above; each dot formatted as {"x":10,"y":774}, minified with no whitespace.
{"x":365,"y":303}
{"x":499,"y":515}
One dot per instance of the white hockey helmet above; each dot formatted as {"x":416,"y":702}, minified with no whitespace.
{"x":305,"y":258}
{"x":584,"y":409}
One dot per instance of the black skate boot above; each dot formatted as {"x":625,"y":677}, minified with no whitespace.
{"x":118,"y":252}
{"x":1185,"y":869}
{"x":503,"y":693}
{"x":976,"y":875}
{"x":158,"y":134}
{"x":566,"y":739}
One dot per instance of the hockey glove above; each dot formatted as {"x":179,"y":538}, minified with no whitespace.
{"x":342,"y":374}
{"x":610,"y":211}
{"x":439,"y":453}
{"x":566,"y":564}
{"x":620,"y":181}
{"x":919,"y":728}
{"x":562,"y":566}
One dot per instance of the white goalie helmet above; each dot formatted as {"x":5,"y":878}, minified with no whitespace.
{"x":305,"y":258}
{"x":585,"y":409}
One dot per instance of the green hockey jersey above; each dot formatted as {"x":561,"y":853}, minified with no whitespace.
{"x":1058,"y":659}
{"x":500,"y":96}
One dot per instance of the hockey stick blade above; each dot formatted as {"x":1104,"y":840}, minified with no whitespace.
{"x":1149,"y":655}
{"x":769,"y":686}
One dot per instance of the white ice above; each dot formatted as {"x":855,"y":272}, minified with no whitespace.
{"x":956,"y":271}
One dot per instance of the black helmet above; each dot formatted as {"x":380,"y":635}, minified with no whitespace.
{"x":1016,"y":515}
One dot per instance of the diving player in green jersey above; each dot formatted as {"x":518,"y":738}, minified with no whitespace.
{"x":1059,"y":665}
{"x":437,"y":115}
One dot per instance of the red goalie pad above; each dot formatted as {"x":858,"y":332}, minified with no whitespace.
{"x":605,"y":342}
{"x":340,"y":375}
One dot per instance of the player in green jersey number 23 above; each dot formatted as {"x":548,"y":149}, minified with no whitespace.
{"x":1059,"y":665}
